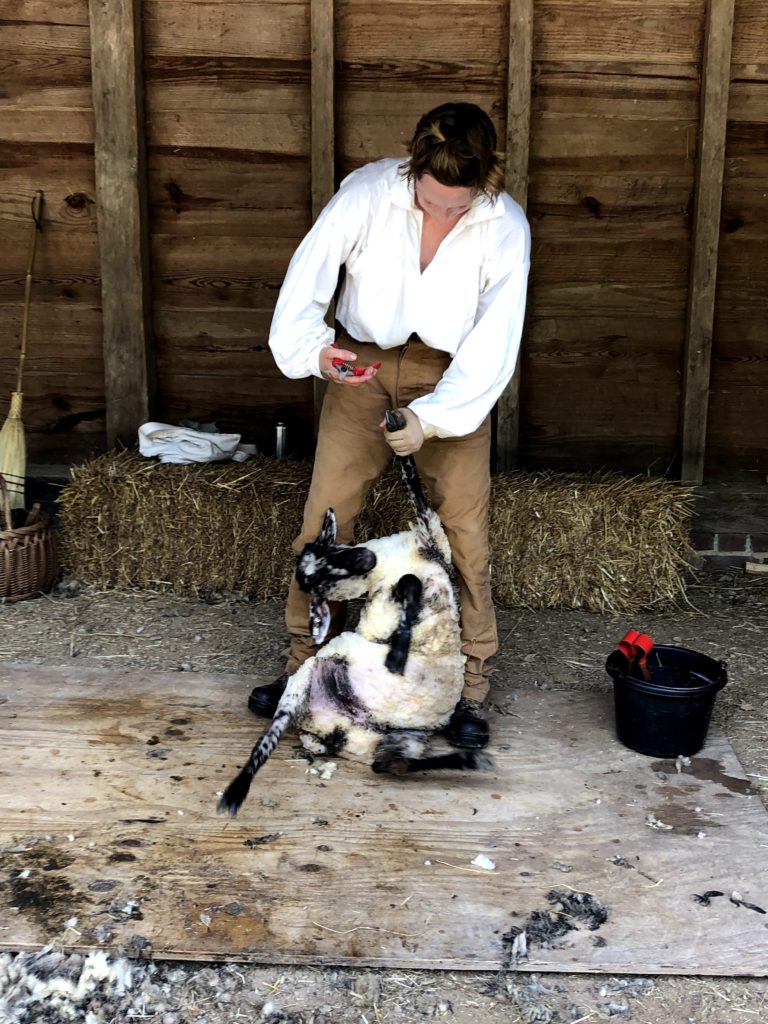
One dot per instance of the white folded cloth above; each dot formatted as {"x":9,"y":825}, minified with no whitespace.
{"x":184,"y":446}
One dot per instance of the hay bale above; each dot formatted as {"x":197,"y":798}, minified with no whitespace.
{"x":596,"y":541}
{"x":194,"y":530}
{"x":601,"y":541}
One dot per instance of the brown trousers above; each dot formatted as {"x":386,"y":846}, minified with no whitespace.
{"x":352,"y":454}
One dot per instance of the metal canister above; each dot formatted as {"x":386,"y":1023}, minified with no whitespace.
{"x":280,"y":439}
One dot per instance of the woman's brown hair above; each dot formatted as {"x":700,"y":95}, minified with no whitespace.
{"x":456,"y":144}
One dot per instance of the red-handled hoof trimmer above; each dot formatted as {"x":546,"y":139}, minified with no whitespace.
{"x":346,"y":369}
{"x":636,"y":647}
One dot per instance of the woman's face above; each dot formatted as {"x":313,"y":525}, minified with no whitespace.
{"x":443,"y":203}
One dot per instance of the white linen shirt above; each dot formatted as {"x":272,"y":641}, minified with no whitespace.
{"x":469,"y":301}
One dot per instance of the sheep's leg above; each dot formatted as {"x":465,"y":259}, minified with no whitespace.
{"x":395,"y":420}
{"x":407,"y":593}
{"x":428,"y":525}
{"x":291,"y":707}
{"x":403,"y":751}
{"x":412,"y":484}
{"x":460,"y":760}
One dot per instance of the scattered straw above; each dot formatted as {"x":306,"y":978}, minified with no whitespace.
{"x":601,"y":542}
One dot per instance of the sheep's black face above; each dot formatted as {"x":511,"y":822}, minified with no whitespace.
{"x":322,"y":570}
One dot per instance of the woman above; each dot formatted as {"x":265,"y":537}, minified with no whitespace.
{"x":431,"y":310}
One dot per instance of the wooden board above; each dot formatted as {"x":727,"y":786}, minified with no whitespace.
{"x":110,"y":783}
{"x":121,"y":191}
{"x":716,"y":75}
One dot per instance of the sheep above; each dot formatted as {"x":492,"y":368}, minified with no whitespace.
{"x":377,"y":693}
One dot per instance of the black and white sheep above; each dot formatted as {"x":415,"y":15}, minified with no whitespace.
{"x":379,"y":693}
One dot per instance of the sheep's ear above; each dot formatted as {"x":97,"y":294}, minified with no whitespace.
{"x":319,"y":618}
{"x":327,"y":533}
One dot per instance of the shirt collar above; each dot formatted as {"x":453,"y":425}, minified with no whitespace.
{"x":401,"y":194}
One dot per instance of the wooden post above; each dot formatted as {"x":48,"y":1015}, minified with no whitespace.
{"x":323,"y":167}
{"x":716,"y":74}
{"x":516,"y":183}
{"x":121,"y":198}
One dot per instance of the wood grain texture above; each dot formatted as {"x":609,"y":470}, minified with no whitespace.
{"x":706,"y":231}
{"x":245,"y":200}
{"x":228,"y":90}
{"x":191,"y":275}
{"x":249,"y":29}
{"x":615,"y":113}
{"x":738,"y":413}
{"x":214,"y":364}
{"x":122,"y":211}
{"x":323,"y":118}
{"x":111,"y":775}
{"x":396,"y":30}
{"x":64,"y":388}
{"x":660,"y":31}
{"x":749,"y":55}
{"x":516,"y":175}
{"x":323,"y":134}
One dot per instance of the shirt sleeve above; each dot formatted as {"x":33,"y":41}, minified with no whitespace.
{"x":485,"y":360}
{"x":298,"y":331}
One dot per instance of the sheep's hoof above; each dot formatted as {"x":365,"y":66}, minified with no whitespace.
{"x":393,"y":766}
{"x":479,"y":762}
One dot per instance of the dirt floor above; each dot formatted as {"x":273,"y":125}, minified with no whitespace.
{"x":549,"y":650}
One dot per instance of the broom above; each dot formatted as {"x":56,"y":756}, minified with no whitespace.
{"x":13,"y":450}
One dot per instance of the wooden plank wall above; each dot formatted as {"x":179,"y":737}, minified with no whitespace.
{"x":117,"y":73}
{"x":612,"y":170}
{"x":738,"y":410}
{"x":46,"y":142}
{"x":615,"y":113}
{"x":228,"y":119}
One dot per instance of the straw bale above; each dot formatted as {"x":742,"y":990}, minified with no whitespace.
{"x":602,"y":542}
{"x":203,"y":529}
{"x":596,"y":541}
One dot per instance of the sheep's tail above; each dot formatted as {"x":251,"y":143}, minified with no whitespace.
{"x":288,"y":711}
{"x":237,"y":790}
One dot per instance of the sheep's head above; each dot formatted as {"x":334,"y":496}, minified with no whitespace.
{"x":327,"y":570}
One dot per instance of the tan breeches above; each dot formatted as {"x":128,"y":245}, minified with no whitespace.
{"x":352,"y":454}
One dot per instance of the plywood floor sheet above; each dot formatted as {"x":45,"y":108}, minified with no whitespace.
{"x":109,"y":837}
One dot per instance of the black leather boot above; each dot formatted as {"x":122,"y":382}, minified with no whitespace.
{"x":468,"y":726}
{"x":263,"y":700}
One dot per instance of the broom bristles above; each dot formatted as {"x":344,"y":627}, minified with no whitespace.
{"x":13,"y":453}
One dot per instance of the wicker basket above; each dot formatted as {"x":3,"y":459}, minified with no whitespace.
{"x":28,"y":562}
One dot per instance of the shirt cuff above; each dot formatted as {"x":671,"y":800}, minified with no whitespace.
{"x":429,"y":429}
{"x":314,"y":359}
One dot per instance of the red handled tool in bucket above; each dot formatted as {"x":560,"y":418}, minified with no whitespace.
{"x":636,"y":647}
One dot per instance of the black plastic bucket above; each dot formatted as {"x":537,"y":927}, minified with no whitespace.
{"x":670,"y":714}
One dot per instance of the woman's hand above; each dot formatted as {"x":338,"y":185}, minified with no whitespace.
{"x":352,"y":377}
{"x":409,"y":439}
